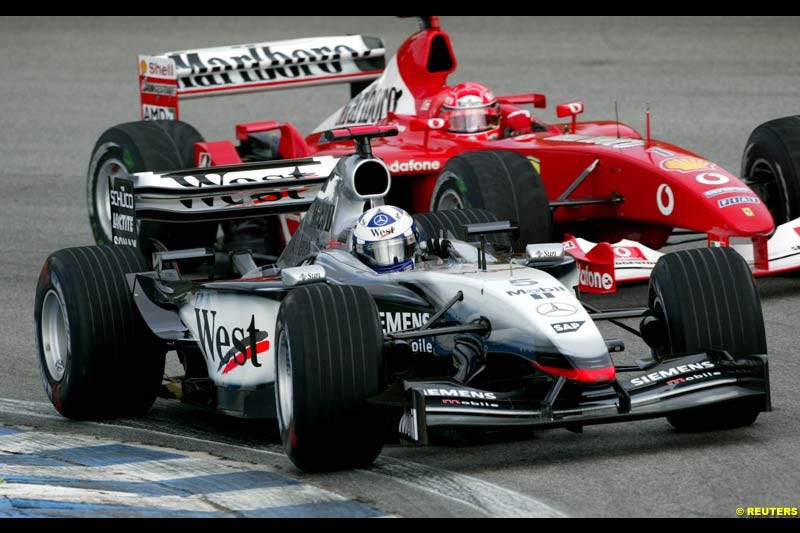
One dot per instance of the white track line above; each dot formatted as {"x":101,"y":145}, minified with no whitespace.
{"x":488,"y":498}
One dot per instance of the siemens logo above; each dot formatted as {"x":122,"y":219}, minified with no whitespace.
{"x":460,"y":393}
{"x":391,"y":322}
{"x":672,"y":372}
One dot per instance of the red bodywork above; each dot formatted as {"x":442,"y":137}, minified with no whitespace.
{"x":644,"y":188}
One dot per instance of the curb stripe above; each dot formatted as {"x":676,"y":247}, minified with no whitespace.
{"x":20,"y":507}
{"x":109,"y":454}
{"x":47,"y":475}
{"x":488,"y":498}
{"x":214,"y":483}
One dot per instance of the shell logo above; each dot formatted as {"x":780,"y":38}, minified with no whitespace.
{"x":143,"y":66}
{"x":686,"y":164}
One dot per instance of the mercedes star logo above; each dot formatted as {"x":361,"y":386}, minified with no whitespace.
{"x":556,"y":310}
{"x":380,"y":220}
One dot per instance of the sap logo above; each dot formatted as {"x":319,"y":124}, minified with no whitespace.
{"x":567,"y":327}
{"x":232,"y":348}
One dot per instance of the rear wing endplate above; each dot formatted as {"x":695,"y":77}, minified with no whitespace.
{"x":165,"y":79}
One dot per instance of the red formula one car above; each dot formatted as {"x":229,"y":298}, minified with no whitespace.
{"x":458,"y":146}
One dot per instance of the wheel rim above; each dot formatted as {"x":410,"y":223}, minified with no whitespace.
{"x":112,"y":168}
{"x":283,"y":379}
{"x":450,"y":200}
{"x":55,"y":338}
{"x":764,"y":181}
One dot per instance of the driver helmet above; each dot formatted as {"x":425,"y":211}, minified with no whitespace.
{"x":471,"y":109}
{"x":385,"y":239}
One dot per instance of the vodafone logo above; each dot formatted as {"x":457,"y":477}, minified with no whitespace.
{"x":628,"y":252}
{"x":575,"y":107}
{"x":414,"y":166}
{"x":595,"y":280}
{"x":665,"y":199}
{"x":712,"y":178}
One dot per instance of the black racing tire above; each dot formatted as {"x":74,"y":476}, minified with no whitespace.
{"x":328,"y":363}
{"x":157,"y":145}
{"x":96,"y":355}
{"x":771,"y":166}
{"x":505,"y":183}
{"x":708,"y":299}
{"x":453,"y":221}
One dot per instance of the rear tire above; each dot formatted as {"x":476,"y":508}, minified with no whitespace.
{"x":96,"y":355}
{"x":158,"y":145}
{"x":504,"y":183}
{"x":328,"y":363}
{"x":708,"y":299}
{"x":453,"y":221}
{"x":771,"y":161}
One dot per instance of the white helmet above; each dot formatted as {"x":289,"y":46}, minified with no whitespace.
{"x":385,"y":239}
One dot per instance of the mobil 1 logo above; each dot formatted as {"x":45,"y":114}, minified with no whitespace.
{"x":123,"y":212}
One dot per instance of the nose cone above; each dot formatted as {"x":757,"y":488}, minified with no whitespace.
{"x":581,"y":369}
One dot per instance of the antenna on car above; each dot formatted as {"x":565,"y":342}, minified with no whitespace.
{"x":647,"y":115}
{"x":425,"y":22}
{"x":361,"y":135}
{"x":616,"y":114}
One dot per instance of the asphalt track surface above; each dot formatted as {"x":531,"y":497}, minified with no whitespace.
{"x":709,"y":81}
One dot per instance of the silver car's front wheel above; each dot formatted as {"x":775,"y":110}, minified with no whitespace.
{"x":284,"y":390}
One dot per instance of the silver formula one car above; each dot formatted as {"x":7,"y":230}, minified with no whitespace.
{"x":477,"y":339}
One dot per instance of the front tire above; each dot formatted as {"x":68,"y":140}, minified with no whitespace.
{"x":327,"y":364}
{"x":771,"y":166}
{"x":504,"y":183}
{"x":158,"y":145}
{"x":97,"y":357}
{"x":708,"y":299}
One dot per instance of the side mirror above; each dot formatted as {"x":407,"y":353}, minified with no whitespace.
{"x":539,"y":101}
{"x":544,"y":255}
{"x":571,"y":109}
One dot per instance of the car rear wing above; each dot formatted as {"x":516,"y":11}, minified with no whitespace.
{"x":218,"y":193}
{"x":165,"y":79}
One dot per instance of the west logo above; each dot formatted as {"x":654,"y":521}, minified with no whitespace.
{"x":233,"y":349}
